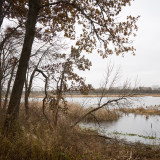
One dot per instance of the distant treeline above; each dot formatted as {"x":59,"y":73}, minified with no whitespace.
{"x":140,"y":90}
{"x":98,"y":91}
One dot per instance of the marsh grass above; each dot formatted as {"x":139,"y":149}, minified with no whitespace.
{"x":141,"y":111}
{"x":75,"y":111}
{"x":37,"y":141}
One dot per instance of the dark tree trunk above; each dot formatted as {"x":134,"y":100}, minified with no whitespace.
{"x":26,"y":103}
{"x":1,"y":21}
{"x":13,"y":108}
{"x":8,"y":87}
{"x":59,"y":94}
{"x":0,"y":82}
{"x":26,"y":97}
{"x":27,"y":92}
{"x":0,"y":87}
{"x":1,"y":77}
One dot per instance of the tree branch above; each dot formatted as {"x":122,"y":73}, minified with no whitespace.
{"x":95,"y":109}
{"x":46,"y":95}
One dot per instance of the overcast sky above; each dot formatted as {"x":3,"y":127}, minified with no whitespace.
{"x":146,"y":63}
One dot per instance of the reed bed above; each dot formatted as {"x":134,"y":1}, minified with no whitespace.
{"x":75,"y":111}
{"x":141,"y":111}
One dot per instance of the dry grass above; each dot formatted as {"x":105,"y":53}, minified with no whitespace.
{"x":75,"y":111}
{"x":141,"y":111}
{"x":38,"y":142}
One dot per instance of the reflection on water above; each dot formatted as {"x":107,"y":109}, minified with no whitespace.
{"x":131,"y":124}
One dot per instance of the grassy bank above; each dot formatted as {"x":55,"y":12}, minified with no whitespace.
{"x":95,"y":95}
{"x":36,"y":141}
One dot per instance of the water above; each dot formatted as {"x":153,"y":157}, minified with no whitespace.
{"x":93,"y":101}
{"x":136,"y":102}
{"x":131,"y":128}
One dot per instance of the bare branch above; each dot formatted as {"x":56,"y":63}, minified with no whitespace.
{"x":97,"y":108}
{"x":46,"y":95}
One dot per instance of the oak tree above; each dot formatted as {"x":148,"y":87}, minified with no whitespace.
{"x":100,"y":31}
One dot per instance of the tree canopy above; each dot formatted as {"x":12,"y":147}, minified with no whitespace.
{"x":101,"y":30}
{"x":98,"y":19}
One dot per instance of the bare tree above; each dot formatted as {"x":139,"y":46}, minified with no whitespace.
{"x":10,"y":47}
{"x":64,"y":79}
{"x":10,"y":40}
{"x":14,"y":62}
{"x":125,"y":97}
{"x":45,"y":55}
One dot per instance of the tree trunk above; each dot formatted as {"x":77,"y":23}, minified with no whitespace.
{"x":59,"y":94}
{"x":8,"y":87}
{"x":26,"y":103}
{"x":0,"y":82}
{"x":1,"y":21}
{"x":26,"y":96}
{"x":13,"y":108}
{"x":27,"y":92}
{"x":0,"y":90}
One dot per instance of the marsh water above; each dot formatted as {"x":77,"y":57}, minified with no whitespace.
{"x":93,"y":101}
{"x":136,"y":101}
{"x":132,"y":128}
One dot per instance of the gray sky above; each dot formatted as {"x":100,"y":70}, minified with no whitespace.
{"x":146,"y":64}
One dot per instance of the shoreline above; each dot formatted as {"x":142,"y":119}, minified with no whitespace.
{"x":90,"y":96}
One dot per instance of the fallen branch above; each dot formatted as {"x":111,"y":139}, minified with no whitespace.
{"x":95,"y":109}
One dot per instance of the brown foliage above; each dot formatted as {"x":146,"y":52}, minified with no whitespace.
{"x":97,"y":18}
